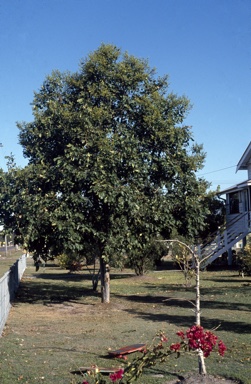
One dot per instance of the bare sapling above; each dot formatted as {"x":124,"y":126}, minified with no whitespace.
{"x":196,"y":265}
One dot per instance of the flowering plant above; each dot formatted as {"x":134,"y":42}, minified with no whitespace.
{"x":194,"y":339}
{"x":117,"y":375}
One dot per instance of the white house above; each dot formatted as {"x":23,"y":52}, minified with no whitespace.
{"x":238,"y":209}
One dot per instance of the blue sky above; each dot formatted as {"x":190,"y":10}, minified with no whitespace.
{"x":203,"y":45}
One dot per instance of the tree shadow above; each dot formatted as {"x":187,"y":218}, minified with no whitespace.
{"x":52,"y":284}
{"x":186,"y":302}
{"x":188,"y":320}
{"x":205,"y":291}
{"x":71,"y":276}
{"x":68,"y":277}
{"x":147,"y":371}
{"x":34,"y":291}
{"x":235,"y":279}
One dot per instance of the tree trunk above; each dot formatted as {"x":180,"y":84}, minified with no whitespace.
{"x":105,"y":281}
{"x":201,"y":359}
{"x":201,"y":362}
{"x":197,"y":308}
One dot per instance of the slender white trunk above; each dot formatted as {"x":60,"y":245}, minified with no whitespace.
{"x":105,"y":281}
{"x":197,"y":310}
{"x":201,"y":362}
{"x":201,"y":359}
{"x":196,"y":263}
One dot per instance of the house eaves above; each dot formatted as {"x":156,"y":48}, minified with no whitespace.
{"x":245,"y":159}
{"x":235,"y":188}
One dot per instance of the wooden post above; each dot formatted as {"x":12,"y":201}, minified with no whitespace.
{"x":229,"y":257}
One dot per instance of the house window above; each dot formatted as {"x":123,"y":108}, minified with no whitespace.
{"x":245,"y":200}
{"x":234,"y":202}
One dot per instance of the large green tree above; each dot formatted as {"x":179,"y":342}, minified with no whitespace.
{"x":26,"y":211}
{"x":116,"y":166}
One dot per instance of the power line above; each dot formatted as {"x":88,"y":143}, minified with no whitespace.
{"x":218,"y":170}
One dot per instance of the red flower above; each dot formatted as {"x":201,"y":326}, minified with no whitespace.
{"x":85,"y":382}
{"x":211,"y":338}
{"x":207,"y":349}
{"x":197,"y":338}
{"x":221,"y":348}
{"x":181,"y":334}
{"x":175,"y":347}
{"x":116,"y":375}
{"x":193,"y":344}
{"x":164,"y":339}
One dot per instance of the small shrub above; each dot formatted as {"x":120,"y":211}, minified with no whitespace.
{"x":72,"y":262}
{"x":147,"y":258}
{"x":244,"y":260}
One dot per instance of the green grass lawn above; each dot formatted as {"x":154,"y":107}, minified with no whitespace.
{"x":57,"y":323}
{"x":7,"y":260}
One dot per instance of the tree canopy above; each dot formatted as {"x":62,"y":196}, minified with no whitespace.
{"x":112,"y":167}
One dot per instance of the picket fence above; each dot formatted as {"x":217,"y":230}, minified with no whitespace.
{"x":8,"y":287}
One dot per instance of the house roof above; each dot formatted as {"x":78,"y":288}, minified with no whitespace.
{"x":237,"y":187}
{"x":245,"y":159}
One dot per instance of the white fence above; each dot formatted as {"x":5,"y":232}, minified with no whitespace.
{"x":8,"y":287}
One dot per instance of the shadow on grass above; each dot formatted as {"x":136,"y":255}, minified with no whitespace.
{"x":35,"y":291}
{"x":184,"y":303}
{"x":235,"y":279}
{"x":147,"y":371}
{"x":76,"y":276}
{"x":243,"y":289}
{"x":186,"y":320}
{"x":52,"y":284}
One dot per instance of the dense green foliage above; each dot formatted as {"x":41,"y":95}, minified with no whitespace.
{"x":244,"y":259}
{"x":215,"y":218}
{"x":111,"y":166}
{"x":26,"y":210}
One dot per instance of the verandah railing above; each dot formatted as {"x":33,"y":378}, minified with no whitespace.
{"x":228,"y":235}
{"x":9,"y":283}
